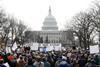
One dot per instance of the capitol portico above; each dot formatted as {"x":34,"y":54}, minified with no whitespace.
{"x":53,"y":36}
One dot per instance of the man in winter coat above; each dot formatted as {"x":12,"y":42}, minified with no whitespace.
{"x":63,"y":63}
{"x":46,"y":63}
{"x":38,"y":62}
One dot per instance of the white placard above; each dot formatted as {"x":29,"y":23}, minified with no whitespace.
{"x":8,"y":50}
{"x":14,"y":46}
{"x":94,"y":49}
{"x":41,"y":49}
{"x":57,"y":48}
{"x":34,"y":46}
{"x":49,"y":48}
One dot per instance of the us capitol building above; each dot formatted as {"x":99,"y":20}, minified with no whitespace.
{"x":50,"y":31}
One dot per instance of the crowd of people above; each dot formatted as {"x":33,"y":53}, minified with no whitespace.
{"x":24,"y":57}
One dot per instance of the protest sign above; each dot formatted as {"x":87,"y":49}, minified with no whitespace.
{"x":57,"y":47}
{"x":8,"y":50}
{"x":94,"y":49}
{"x":34,"y":46}
{"x":42,"y":49}
{"x":14,"y":46}
{"x":49,"y":48}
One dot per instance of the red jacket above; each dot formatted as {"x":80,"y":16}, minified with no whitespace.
{"x":10,"y":57}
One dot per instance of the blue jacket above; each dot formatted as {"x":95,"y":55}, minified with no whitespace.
{"x":47,"y":64}
{"x":64,"y":64}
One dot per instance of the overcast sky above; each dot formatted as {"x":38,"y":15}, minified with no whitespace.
{"x":33,"y":12}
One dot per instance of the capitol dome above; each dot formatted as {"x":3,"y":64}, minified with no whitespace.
{"x":50,"y":22}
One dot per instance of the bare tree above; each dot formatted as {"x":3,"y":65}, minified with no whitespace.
{"x":4,"y":28}
{"x":20,"y":33}
{"x":83,"y":26}
{"x":10,"y":30}
{"x":96,"y":12}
